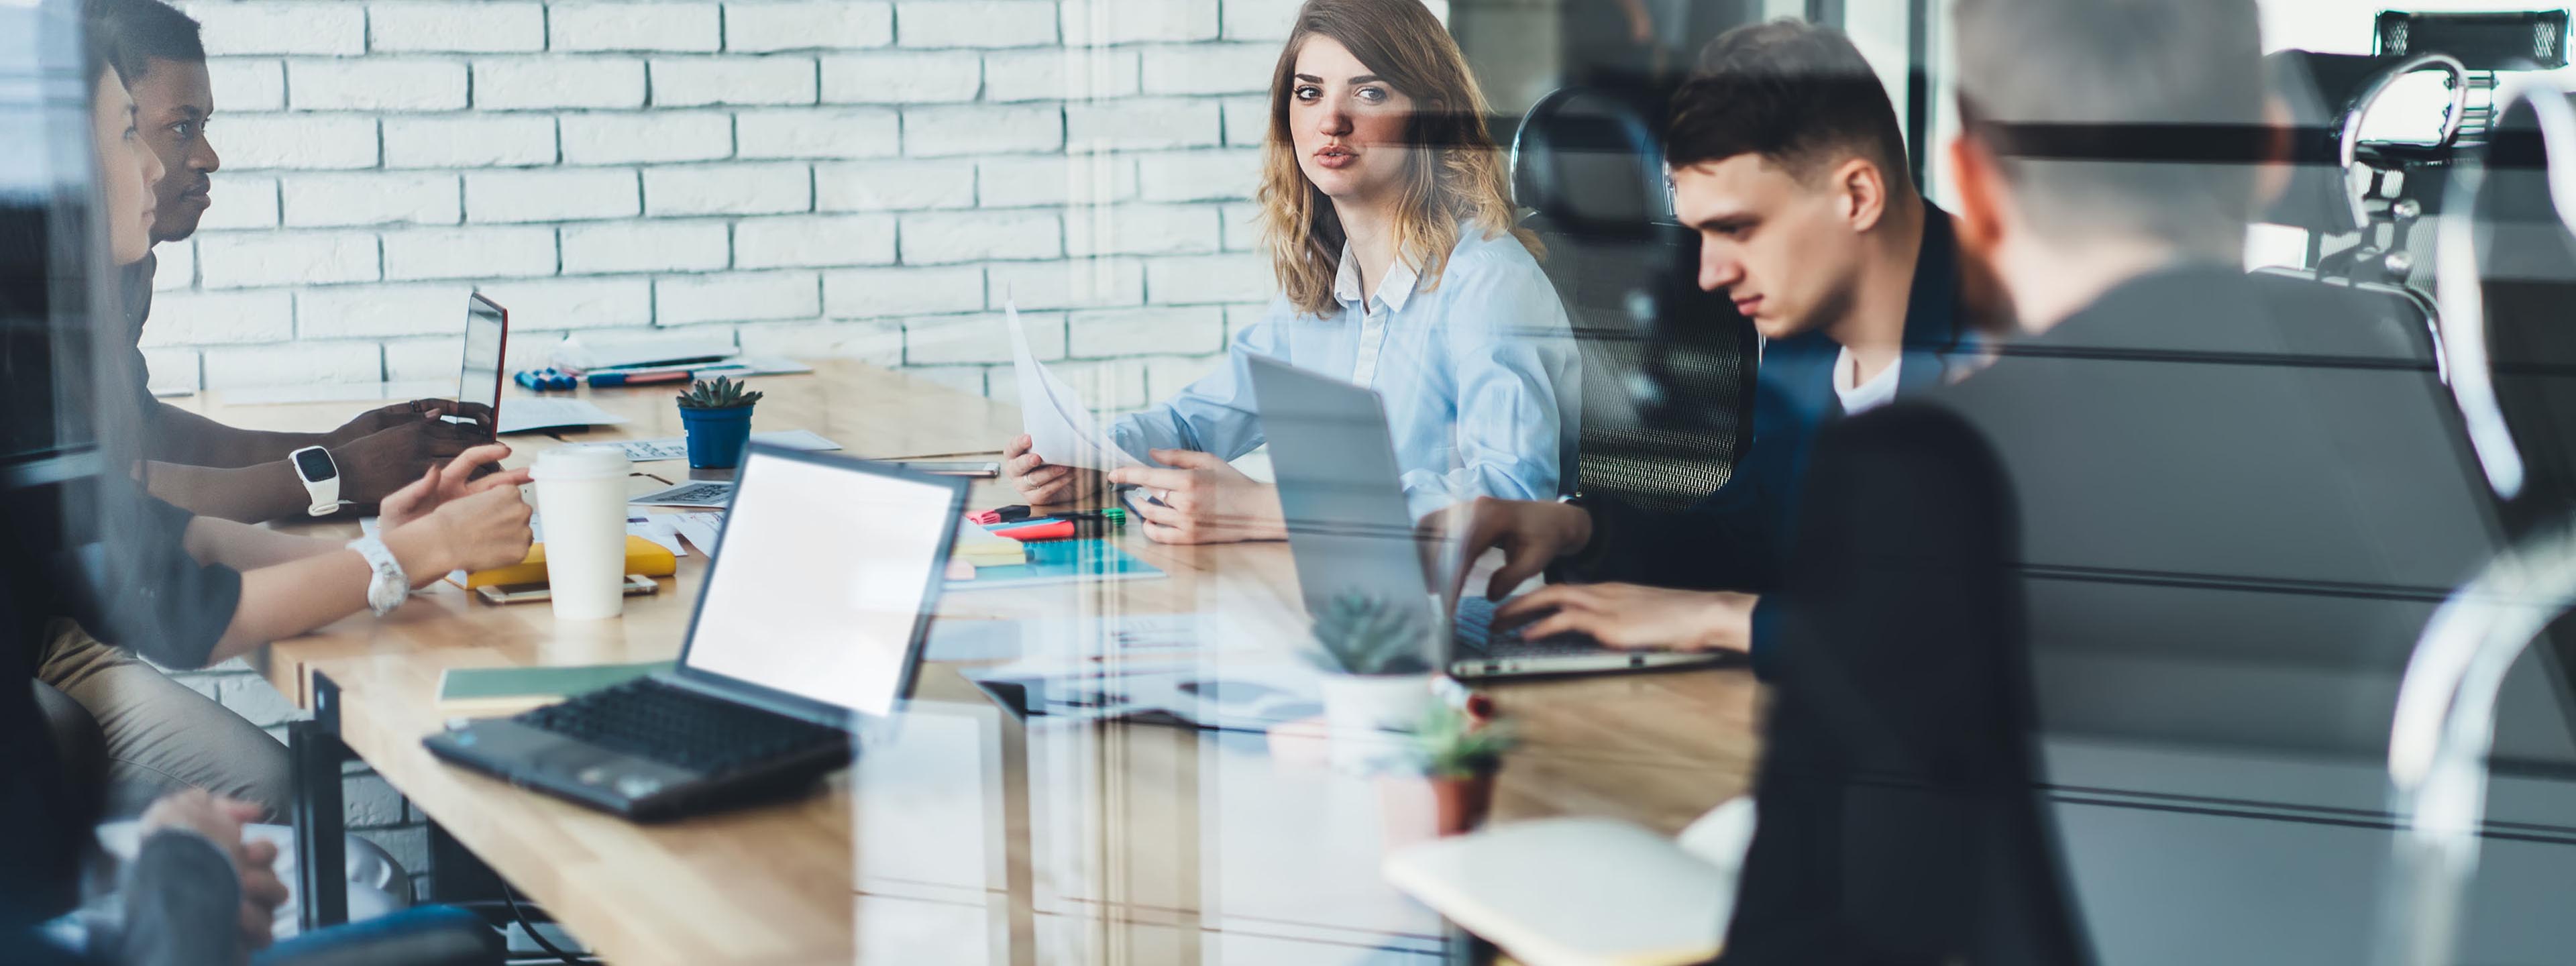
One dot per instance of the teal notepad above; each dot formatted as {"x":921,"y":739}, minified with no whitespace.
{"x":502,"y":690}
{"x":1062,"y":562}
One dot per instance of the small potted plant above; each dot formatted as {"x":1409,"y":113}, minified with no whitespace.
{"x":1454,"y":756}
{"x":1376,"y":679}
{"x":717,"y":413}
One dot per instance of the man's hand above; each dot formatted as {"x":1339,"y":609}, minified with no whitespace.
{"x":372,"y":468}
{"x":1629,"y":616}
{"x":1532,"y":534}
{"x":1205,"y":500}
{"x":220,"y":821}
{"x":1042,"y":483}
{"x":375,"y":421}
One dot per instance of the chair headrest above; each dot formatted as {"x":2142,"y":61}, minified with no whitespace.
{"x":1589,"y":160}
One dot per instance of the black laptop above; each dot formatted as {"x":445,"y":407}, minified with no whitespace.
{"x":808,"y":631}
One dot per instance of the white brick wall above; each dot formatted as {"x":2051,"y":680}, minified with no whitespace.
{"x":868,"y":179}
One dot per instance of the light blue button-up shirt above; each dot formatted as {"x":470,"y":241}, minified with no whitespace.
{"x":1480,"y":376}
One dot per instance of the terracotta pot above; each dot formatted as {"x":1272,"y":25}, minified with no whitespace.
{"x":1417,"y":808}
{"x":1461,"y":804}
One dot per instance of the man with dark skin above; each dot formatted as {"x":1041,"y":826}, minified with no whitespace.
{"x":194,"y":462}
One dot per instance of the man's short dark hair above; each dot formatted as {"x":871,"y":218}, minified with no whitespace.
{"x":1797,"y":94}
{"x":2116,"y":64}
{"x":137,"y":32}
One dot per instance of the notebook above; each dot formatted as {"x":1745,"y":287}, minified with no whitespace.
{"x":477,"y":692}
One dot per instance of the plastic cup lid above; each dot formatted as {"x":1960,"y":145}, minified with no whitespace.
{"x":581,"y":462}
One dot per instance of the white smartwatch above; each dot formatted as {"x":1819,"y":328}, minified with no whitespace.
{"x":321,"y":476}
{"x":388,"y":586}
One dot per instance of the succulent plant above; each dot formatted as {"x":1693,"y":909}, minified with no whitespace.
{"x":1451,"y":744}
{"x":1368,"y":636}
{"x":717,"y":393}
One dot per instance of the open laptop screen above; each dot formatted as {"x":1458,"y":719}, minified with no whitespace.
{"x":478,"y":380}
{"x":822,"y":579}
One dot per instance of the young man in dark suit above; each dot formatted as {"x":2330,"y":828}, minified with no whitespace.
{"x":1787,"y":158}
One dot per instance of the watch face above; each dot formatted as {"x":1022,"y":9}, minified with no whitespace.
{"x":315,"y":464}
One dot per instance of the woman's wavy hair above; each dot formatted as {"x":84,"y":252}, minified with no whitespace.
{"x":1465,"y":180}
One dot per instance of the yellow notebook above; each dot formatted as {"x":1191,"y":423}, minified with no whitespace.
{"x":983,"y":548}
{"x":642,"y":557}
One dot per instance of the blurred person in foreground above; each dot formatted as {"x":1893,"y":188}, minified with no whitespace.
{"x":2125,"y":427}
{"x":197,"y":891}
{"x":222,"y":588}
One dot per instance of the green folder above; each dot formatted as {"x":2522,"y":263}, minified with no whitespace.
{"x":501,"y":690}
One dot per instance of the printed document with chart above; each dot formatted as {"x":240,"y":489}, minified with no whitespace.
{"x":1054,"y":416}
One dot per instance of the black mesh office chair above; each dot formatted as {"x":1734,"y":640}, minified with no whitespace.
{"x":1668,"y":370}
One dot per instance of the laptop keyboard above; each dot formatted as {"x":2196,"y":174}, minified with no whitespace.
{"x":680,"y":727}
{"x":1474,"y":628}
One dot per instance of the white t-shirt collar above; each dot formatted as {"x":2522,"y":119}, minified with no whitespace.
{"x":1878,"y":391}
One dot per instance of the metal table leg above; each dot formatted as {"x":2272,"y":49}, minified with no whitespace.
{"x":315,"y":751}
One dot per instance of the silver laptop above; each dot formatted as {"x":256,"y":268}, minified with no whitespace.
{"x":1352,"y":533}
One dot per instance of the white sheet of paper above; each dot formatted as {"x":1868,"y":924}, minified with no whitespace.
{"x":804,"y":439}
{"x":700,"y":529}
{"x":677,"y":447}
{"x":653,"y":450}
{"x":1058,"y":423}
{"x":520,"y":414}
{"x":707,"y":493}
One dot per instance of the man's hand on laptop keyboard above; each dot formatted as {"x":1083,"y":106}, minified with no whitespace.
{"x":378,"y":420}
{"x":1532,"y":534}
{"x":1628,"y":616}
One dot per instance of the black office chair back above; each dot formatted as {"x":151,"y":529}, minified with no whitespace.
{"x":2524,"y":284}
{"x":1668,"y":370}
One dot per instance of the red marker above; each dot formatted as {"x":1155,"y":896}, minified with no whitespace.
{"x":1058,"y":530}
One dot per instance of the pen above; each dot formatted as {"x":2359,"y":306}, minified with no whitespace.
{"x":1005,"y":521}
{"x":604,"y":379}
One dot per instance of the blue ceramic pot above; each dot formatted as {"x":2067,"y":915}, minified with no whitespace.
{"x":717,"y":436}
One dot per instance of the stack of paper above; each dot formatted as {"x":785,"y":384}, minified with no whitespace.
{"x":984,"y":548}
{"x":1054,"y":416}
{"x":521,"y":414}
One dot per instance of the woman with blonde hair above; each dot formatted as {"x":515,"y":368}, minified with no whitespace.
{"x":1389,"y":220}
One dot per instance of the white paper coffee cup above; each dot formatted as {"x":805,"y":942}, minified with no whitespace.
{"x":581,"y":498}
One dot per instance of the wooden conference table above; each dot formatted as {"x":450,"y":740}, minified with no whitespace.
{"x":965,"y":837}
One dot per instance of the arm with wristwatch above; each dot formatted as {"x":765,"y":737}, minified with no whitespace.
{"x":446,"y":520}
{"x":362,"y":463}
